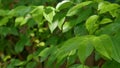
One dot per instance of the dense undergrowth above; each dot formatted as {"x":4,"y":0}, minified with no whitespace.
{"x":59,"y":34}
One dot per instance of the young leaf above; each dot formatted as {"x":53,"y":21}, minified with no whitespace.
{"x":105,"y":21}
{"x":109,"y":29}
{"x":58,"y":20}
{"x":114,"y":13}
{"x":90,"y":24}
{"x":75,"y":8}
{"x":22,"y":20}
{"x":63,"y":5}
{"x":37,"y":14}
{"x":68,"y":25}
{"x":52,"y":26}
{"x":18,"y":20}
{"x":49,"y":13}
{"x":103,"y":7}
{"x":27,"y":17}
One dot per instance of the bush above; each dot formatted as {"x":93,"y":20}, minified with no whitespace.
{"x":59,"y":34}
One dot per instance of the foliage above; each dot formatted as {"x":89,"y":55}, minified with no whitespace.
{"x":59,"y":34}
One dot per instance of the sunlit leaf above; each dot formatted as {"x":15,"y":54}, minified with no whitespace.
{"x":103,"y":45}
{"x":68,"y":25}
{"x":63,"y":5}
{"x":37,"y":14}
{"x":49,"y":13}
{"x":116,"y":50}
{"x":75,"y":8}
{"x":52,"y":26}
{"x":85,"y":49}
{"x":90,"y":24}
{"x":103,"y":7}
{"x":105,"y":21}
{"x":110,"y":29}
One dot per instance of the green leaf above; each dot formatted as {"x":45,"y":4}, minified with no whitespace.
{"x":80,"y":30}
{"x":85,"y":49}
{"x":18,"y":20}
{"x":52,"y":58}
{"x":110,"y":29}
{"x":83,"y":15}
{"x":37,"y":14}
{"x":20,"y":11}
{"x":52,"y":26}
{"x":15,"y":62}
{"x":116,"y":50}
{"x":3,"y":12}
{"x":75,"y":8}
{"x":8,"y":30}
{"x":105,"y":21}
{"x":103,"y":45}
{"x":63,"y":5}
{"x":49,"y":13}
{"x":29,"y":57}
{"x":60,"y":18}
{"x":103,"y":7}
{"x":81,"y":44}
{"x":114,"y":12}
{"x":13,"y":31}
{"x":68,"y":25}
{"x":52,"y":40}
{"x":4,"y":21}
{"x":79,"y":66}
{"x":21,"y":43}
{"x":31,"y":65}
{"x":22,"y":20}
{"x":19,"y":47}
{"x":68,"y":47}
{"x":45,"y":53}
{"x":71,"y":58}
{"x":91,"y":25}
{"x":111,"y":64}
